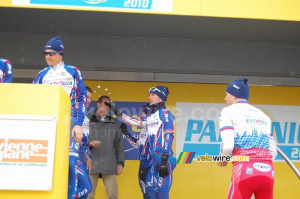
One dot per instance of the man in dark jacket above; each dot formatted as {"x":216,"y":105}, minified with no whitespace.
{"x":108,"y":159}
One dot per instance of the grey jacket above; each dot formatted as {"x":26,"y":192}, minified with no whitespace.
{"x":111,"y":152}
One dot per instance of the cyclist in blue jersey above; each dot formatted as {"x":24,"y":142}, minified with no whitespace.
{"x":159,"y":124}
{"x":146,"y":170}
{"x":6,"y":71}
{"x":69,"y":77}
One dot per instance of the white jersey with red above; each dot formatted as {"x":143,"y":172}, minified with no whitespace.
{"x":246,"y":131}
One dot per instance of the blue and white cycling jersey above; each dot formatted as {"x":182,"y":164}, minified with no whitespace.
{"x":69,"y":77}
{"x":159,"y":127}
{"x":6,"y":71}
{"x":158,"y":130}
{"x":140,"y":143}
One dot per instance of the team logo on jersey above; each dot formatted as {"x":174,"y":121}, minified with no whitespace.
{"x":166,"y":116}
{"x":155,"y":123}
{"x":62,"y":83}
{"x":74,"y":145}
{"x":249,"y":171}
{"x":79,"y":74}
{"x":9,"y":71}
{"x":235,"y":86}
{"x":262,"y":167}
{"x":160,"y":181}
{"x":256,"y":121}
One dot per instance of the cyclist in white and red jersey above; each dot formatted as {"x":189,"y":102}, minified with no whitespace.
{"x":246,"y":131}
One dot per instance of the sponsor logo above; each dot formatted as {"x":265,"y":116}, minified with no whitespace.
{"x":9,"y":67}
{"x":249,"y":171}
{"x":94,"y":1}
{"x":166,"y":117}
{"x":151,"y":124}
{"x":262,"y":167}
{"x":160,"y":181}
{"x":186,"y":157}
{"x":255,"y":121}
{"x":235,"y":86}
{"x":63,"y":74}
{"x":62,"y":83}
{"x":19,"y":150}
{"x":84,"y":192}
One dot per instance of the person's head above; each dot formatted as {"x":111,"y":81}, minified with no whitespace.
{"x":89,"y":96}
{"x":54,"y":51}
{"x":236,"y":90}
{"x":102,"y":108}
{"x":158,"y":94}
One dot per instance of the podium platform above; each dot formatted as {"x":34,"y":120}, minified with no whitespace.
{"x":34,"y":141}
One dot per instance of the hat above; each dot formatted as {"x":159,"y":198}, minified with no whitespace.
{"x":239,"y":88}
{"x":160,"y":91}
{"x":55,"y":44}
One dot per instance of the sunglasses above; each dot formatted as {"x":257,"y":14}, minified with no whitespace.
{"x":51,"y":53}
{"x":153,"y":89}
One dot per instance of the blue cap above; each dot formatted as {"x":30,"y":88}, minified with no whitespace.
{"x":239,"y":88}
{"x":161,"y":91}
{"x":56,"y":44}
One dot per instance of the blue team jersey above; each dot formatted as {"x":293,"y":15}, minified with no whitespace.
{"x":6,"y":71}
{"x":140,"y":143}
{"x":69,"y":77}
{"x":159,"y":134}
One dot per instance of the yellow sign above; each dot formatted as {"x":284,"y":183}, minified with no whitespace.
{"x":251,"y":9}
{"x":30,"y":145}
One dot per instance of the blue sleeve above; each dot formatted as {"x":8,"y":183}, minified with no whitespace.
{"x":81,"y":95}
{"x":39,"y":77}
{"x":132,"y":140}
{"x":168,"y":130}
{"x":2,"y":69}
{"x":2,"y":66}
{"x":6,"y":68}
{"x":87,"y":151}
